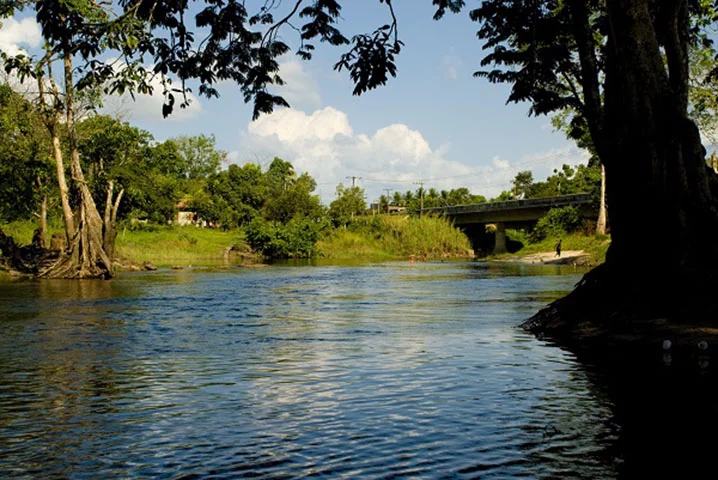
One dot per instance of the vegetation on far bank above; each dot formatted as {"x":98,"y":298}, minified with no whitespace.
{"x":380,"y":237}
{"x":387,"y":237}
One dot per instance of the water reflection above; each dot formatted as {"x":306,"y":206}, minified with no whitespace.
{"x":664,"y":411}
{"x":371,"y":371}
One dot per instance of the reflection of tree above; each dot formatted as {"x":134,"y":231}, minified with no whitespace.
{"x":570,"y":432}
{"x":62,"y":376}
{"x":666,"y":414}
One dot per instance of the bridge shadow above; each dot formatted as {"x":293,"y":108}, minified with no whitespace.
{"x":483,"y":240}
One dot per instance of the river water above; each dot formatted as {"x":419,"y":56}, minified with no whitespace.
{"x":372,"y":371}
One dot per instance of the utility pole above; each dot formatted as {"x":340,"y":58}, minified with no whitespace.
{"x":388,"y":198}
{"x":354,"y":179}
{"x":421,"y":198}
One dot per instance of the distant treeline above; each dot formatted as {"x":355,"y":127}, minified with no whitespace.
{"x":150,"y":182}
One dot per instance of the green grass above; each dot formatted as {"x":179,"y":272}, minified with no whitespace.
{"x":168,"y":246}
{"x":160,"y":245}
{"x":21,"y":230}
{"x":388,"y":237}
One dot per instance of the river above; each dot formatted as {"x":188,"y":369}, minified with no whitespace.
{"x":371,"y":371}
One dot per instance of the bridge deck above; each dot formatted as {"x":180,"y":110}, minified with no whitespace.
{"x":512,"y":210}
{"x":550,"y":202}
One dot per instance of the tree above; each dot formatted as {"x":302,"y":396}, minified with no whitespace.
{"x":198,"y":157}
{"x":348,"y":204}
{"x":111,"y":151}
{"x":25,"y":168}
{"x":384,"y":203}
{"x":623,"y":67}
{"x":522,"y":182}
{"x":234,"y":196}
{"x":80,"y":30}
{"x":289,"y":196}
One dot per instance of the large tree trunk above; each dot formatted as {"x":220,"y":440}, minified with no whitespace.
{"x":43,"y":222}
{"x":662,"y":205}
{"x":85,"y":256}
{"x":663,"y":210}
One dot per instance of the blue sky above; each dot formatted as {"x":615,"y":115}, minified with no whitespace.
{"x":434,"y":123}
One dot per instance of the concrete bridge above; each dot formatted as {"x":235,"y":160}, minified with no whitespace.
{"x":472,"y":219}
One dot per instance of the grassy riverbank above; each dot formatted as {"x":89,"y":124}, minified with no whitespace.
{"x":163,"y":246}
{"x":367,"y":238}
{"x":169,"y":246}
{"x":390,"y":237}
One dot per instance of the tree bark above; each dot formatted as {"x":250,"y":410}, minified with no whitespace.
{"x":110,"y":219}
{"x":62,"y":185}
{"x":655,"y":169}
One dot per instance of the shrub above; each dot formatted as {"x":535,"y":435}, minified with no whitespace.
{"x":295,"y":239}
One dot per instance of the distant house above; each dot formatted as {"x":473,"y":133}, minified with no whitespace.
{"x":396,"y":210}
{"x":186,"y":217}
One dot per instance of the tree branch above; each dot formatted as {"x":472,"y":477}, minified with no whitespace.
{"x":273,"y":30}
{"x":589,"y":72}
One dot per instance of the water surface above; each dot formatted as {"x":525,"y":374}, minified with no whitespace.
{"x":375,"y":371}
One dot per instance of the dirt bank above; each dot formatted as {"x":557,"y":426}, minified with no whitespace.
{"x":568,"y":257}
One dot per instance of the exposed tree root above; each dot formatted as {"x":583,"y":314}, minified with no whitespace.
{"x":608,"y":308}
{"x":25,"y":259}
{"x":85,"y":258}
{"x":74,"y":262}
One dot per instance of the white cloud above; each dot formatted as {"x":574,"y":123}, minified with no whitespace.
{"x":294,"y":126}
{"x":149,"y":107}
{"x":394,"y":157}
{"x":500,"y":164}
{"x":14,"y":35}
{"x":542,"y":165}
{"x":300,"y":89}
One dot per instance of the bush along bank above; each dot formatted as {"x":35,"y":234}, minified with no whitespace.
{"x":392,"y":237}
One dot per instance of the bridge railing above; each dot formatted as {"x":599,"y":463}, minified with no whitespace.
{"x":550,"y":202}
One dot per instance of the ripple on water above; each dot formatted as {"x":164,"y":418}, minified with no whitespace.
{"x":366,"y":372}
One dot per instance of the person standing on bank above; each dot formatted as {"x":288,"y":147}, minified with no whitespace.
{"x":558,"y":249}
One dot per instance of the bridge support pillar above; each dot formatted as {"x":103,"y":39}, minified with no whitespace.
{"x":500,"y":242}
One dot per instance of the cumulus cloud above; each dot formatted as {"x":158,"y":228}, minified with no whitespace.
{"x":300,"y":89}
{"x":394,"y":157}
{"x":14,"y":35}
